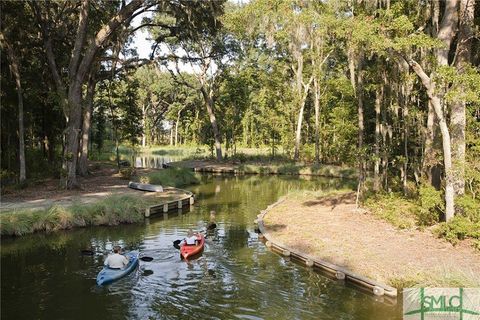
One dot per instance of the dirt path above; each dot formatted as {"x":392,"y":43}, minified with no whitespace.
{"x":102,"y":182}
{"x":331,"y":229}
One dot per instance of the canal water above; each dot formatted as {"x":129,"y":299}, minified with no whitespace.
{"x":44,"y":276}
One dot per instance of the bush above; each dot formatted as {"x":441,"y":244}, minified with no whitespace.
{"x":7,"y":177}
{"x":431,"y":206}
{"x":127,"y":173}
{"x":172,"y":177}
{"x":468,"y":207}
{"x":393,"y":208}
{"x":458,"y":228}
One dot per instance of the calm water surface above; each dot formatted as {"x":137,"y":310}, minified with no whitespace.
{"x":45,"y":277}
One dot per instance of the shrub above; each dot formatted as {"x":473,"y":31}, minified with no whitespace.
{"x":127,"y":173}
{"x":7,"y":177}
{"x":431,"y":206}
{"x":393,"y":208}
{"x":173,"y":177}
{"x":458,"y":228}
{"x":468,"y":207}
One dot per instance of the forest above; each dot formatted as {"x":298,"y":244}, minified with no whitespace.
{"x":391,"y":88}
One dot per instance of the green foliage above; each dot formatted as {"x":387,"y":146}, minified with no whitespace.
{"x":468,"y":207}
{"x":458,"y":228}
{"x":7,"y":177}
{"x":431,"y":205}
{"x":171,"y":177}
{"x":112,"y":210}
{"x":127,"y":173}
{"x":394,"y":208}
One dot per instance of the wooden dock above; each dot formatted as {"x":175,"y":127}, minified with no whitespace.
{"x":183,"y":202}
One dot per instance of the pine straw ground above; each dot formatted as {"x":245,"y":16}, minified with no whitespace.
{"x":330,"y":228}
{"x":102,"y":182}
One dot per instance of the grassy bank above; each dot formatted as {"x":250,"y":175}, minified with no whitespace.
{"x":113,"y":210}
{"x":171,"y":177}
{"x":298,"y":169}
{"x":273,"y":167}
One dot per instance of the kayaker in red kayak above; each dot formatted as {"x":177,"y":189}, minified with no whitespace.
{"x":192,"y":245}
{"x":191,"y":239}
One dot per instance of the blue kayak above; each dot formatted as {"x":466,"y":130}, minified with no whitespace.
{"x":108,"y":275}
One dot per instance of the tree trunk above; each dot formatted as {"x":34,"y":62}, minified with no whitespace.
{"x":360,"y":110}
{"x":176,"y":132}
{"x":144,"y":136}
{"x":209,"y":104}
{"x":21,"y":132}
{"x":376,"y":169}
{"x":298,"y":133}
{"x":14,"y":67}
{"x":431,"y":167}
{"x":359,"y":92}
{"x":449,"y":188}
{"x":405,"y":97}
{"x":317,"y":120}
{"x":458,"y":117}
{"x":87,"y":119}
{"x":298,"y":89}
{"x":72,"y":136}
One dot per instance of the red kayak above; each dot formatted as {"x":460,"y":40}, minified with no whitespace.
{"x":187,"y":251}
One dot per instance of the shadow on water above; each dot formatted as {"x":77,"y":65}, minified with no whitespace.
{"x":45,"y":276}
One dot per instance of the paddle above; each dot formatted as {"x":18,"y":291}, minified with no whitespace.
{"x":91,"y":253}
{"x":148,"y":259}
{"x":176,"y":244}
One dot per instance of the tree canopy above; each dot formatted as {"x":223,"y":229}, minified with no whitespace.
{"x":389,"y":87}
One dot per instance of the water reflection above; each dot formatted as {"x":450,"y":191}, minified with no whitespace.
{"x":153,"y":161}
{"x":46,"y":277}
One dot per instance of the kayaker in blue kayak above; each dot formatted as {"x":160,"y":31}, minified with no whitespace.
{"x":116,"y":260}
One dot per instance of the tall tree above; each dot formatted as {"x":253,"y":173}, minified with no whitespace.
{"x":461,"y":62}
{"x":86,"y":45}
{"x":199,"y":42}
{"x":15,"y":69}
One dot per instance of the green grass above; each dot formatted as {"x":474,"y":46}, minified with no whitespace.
{"x":113,"y":210}
{"x":439,"y":278}
{"x":397,"y":210}
{"x":171,"y":177}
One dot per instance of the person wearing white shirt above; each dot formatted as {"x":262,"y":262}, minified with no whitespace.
{"x":190,"y":240}
{"x":116,"y":260}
